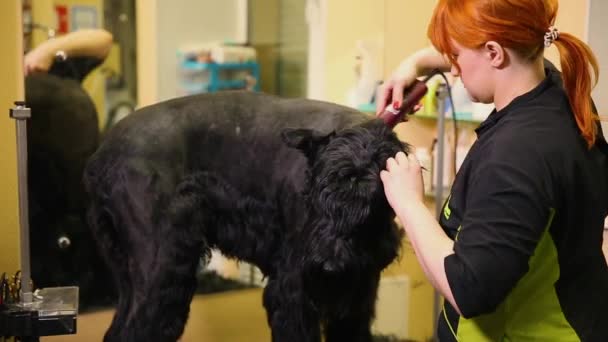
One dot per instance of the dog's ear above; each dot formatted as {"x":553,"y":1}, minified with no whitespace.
{"x":309,"y":141}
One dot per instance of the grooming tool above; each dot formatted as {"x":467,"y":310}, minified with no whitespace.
{"x":411,"y":97}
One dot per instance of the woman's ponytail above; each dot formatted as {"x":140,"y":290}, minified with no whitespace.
{"x":577,"y":62}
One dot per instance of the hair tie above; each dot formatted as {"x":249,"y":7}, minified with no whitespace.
{"x":551,"y":36}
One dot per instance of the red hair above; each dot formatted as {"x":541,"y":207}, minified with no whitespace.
{"x":520,"y":25}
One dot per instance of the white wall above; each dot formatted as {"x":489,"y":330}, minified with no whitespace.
{"x":597,"y":39}
{"x":183,"y":22}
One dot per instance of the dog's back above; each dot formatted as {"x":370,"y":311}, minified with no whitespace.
{"x":218,"y":132}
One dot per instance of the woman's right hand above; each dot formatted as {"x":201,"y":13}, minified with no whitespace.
{"x":418,"y":64}
{"x":391,"y":92}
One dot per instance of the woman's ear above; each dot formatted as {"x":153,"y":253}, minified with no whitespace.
{"x":496,"y":54}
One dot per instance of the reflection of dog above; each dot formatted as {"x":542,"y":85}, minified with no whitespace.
{"x":306,"y":205}
{"x":62,"y":134}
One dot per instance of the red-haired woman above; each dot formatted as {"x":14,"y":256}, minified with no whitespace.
{"x":517,"y":251}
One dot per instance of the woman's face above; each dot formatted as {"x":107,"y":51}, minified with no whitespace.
{"x":475,"y":72}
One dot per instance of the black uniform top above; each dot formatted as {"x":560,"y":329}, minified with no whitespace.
{"x":526,"y":212}
{"x":75,"y":68}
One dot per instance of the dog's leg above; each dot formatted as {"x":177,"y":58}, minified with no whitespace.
{"x":355,"y":324}
{"x":290,"y":316}
{"x":103,"y":228}
{"x":153,"y":256}
{"x":355,"y":328}
{"x":163,"y":307}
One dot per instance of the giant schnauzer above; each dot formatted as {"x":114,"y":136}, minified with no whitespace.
{"x":289,"y":185}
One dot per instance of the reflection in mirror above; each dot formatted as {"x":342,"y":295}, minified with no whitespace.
{"x":73,"y":83}
{"x":278,"y":31}
{"x":80,"y":72}
{"x":80,"y":80}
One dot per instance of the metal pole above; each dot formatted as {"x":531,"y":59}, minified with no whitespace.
{"x":21,"y":114}
{"x":441,"y":95}
{"x":440,"y":146}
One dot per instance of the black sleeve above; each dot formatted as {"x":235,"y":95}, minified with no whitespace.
{"x":507,"y":210}
{"x":76,"y":68}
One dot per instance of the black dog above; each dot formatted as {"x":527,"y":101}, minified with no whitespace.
{"x":291,"y":186}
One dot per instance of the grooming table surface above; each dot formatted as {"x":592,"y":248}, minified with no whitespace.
{"x":232,"y":316}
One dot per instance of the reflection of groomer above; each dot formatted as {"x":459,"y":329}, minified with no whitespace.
{"x":83,"y":51}
{"x":62,"y":133}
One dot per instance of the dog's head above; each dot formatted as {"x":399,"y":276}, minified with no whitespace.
{"x":349,"y":216}
{"x":344,"y":169}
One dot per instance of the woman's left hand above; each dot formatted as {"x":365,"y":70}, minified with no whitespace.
{"x":402,"y":181}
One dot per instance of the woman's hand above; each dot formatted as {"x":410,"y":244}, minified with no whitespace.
{"x":391,"y":92}
{"x":420,"y":63}
{"x":402,"y":181}
{"x":38,"y":60}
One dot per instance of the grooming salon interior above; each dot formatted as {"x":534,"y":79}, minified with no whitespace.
{"x":142,"y":52}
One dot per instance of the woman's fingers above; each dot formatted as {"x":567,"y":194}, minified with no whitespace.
{"x":391,"y":164}
{"x":401,"y":158}
{"x":413,"y":160}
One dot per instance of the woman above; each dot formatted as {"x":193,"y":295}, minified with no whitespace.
{"x":517,"y":251}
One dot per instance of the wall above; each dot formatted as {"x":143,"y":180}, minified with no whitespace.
{"x":348,"y":21}
{"x":264,"y":37}
{"x":184,"y":22}
{"x":598,"y":9}
{"x":293,"y":55}
{"x":42,"y":13}
{"x":12,"y":90}
{"x":571,"y":18}
{"x":147,"y":58}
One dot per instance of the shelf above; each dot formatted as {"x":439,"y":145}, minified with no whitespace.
{"x":192,"y":65}
{"x":220,"y":85}
{"x":209,"y":77}
{"x":434,"y":117}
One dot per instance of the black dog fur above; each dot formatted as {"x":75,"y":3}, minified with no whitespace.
{"x":290,"y":185}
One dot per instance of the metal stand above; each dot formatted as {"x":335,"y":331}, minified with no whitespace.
{"x":441,"y":95}
{"x":21,"y":114}
{"x":50,"y":311}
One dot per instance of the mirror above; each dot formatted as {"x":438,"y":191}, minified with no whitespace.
{"x":62,"y":134}
{"x":79,"y":66}
{"x":76,"y":97}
